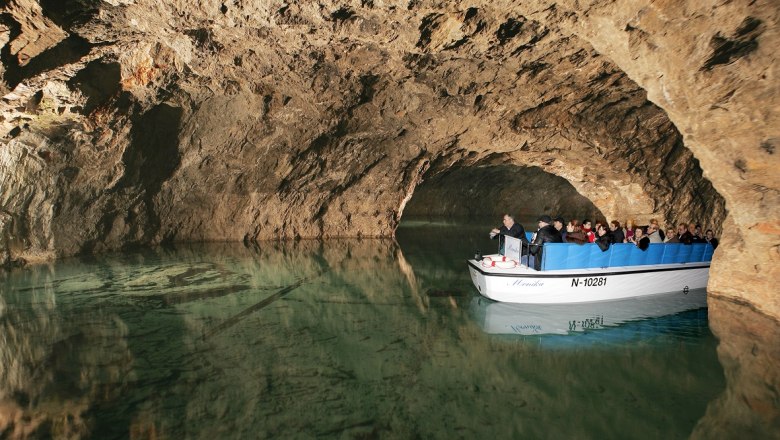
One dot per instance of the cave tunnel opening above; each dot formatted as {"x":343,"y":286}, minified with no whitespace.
{"x":482,"y":194}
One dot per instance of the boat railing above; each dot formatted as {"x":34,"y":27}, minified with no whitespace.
{"x":516,"y":250}
{"x":557,"y":256}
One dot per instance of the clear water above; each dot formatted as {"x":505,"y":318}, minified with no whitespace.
{"x":335,"y":339}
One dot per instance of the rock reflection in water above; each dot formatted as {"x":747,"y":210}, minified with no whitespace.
{"x":57,"y":359}
{"x":341,"y":338}
{"x":749,"y":351}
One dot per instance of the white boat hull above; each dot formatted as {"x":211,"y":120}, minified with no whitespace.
{"x":527,"y":286}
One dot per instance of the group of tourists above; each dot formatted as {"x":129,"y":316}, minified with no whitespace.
{"x":603,"y":234}
{"x":548,"y":231}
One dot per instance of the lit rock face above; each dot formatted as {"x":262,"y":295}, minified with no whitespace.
{"x":136,"y":121}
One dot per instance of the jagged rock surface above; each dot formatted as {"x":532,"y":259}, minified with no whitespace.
{"x":137,"y":122}
{"x":478,"y":192}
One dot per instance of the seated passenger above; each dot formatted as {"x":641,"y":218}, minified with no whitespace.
{"x":658,"y":228}
{"x":589,"y":234}
{"x":653,"y":234}
{"x":683,"y":236}
{"x":710,"y":237}
{"x":695,"y":231}
{"x":640,"y":239}
{"x":628,"y":231}
{"x":558,"y":225}
{"x":574,"y":233}
{"x":546,"y":234}
{"x":616,"y":232}
{"x":511,"y":229}
{"x":671,"y":236}
{"x":604,"y":238}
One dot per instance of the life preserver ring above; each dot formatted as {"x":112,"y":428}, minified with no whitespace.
{"x":499,"y":262}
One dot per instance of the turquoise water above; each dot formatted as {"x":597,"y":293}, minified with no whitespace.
{"x":334,"y":339}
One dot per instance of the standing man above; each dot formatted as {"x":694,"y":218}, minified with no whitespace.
{"x":546,"y":234}
{"x":511,"y":229}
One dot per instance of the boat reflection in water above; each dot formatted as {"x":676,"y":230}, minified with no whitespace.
{"x":501,"y":318}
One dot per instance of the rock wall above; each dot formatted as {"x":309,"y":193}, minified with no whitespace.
{"x":137,"y":122}
{"x":711,"y":66}
{"x":489,"y":191}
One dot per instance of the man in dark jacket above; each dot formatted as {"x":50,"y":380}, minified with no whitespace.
{"x":546,"y":234}
{"x":558,"y":223}
{"x":511,"y":229}
{"x":616,"y":232}
{"x":683,"y":235}
{"x":711,"y":238}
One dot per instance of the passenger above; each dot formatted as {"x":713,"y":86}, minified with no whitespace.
{"x":671,"y":236}
{"x":511,"y":229}
{"x":653,"y":234}
{"x":604,"y":238}
{"x":545,"y":234}
{"x":596,"y":227}
{"x":589,"y":234}
{"x":641,"y":240}
{"x":574,"y":233}
{"x":710,"y":237}
{"x":683,"y":236}
{"x":658,"y":229}
{"x":628,"y":231}
{"x":695,"y":231}
{"x":616,"y":232}
{"x":558,"y":223}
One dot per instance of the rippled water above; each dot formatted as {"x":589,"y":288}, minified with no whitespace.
{"x":343,"y":338}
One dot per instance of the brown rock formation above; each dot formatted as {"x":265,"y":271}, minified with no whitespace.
{"x":135,"y":122}
{"x":478,"y":192}
{"x":749,"y":353}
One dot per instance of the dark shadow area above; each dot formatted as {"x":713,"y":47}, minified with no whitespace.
{"x":151,"y":158}
{"x":10,"y":62}
{"x":728,"y":49}
{"x":67,"y":51}
{"x":153,"y":154}
{"x":98,"y":82}
{"x":67,"y":13}
{"x":64,"y":13}
{"x":490,"y":191}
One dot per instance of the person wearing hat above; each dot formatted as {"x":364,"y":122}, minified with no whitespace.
{"x":546,"y":234}
{"x":558,"y":223}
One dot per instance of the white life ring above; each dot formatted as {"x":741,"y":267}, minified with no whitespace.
{"x":499,"y":262}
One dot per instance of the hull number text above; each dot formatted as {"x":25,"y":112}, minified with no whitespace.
{"x":589,"y":282}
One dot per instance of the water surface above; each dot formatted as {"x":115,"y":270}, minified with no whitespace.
{"x":342,"y":338}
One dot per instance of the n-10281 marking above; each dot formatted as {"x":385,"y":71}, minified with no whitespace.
{"x":589,"y":282}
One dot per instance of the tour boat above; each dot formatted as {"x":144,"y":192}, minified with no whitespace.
{"x":576,"y":273}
